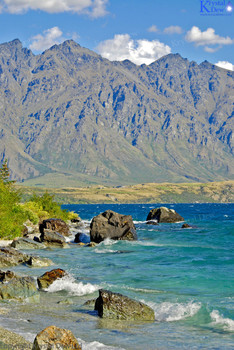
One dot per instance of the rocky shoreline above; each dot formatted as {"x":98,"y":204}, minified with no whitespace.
{"x":53,"y":233}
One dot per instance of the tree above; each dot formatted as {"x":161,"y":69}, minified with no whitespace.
{"x":5,"y":173}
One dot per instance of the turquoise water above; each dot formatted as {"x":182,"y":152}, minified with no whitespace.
{"x":185,"y":275}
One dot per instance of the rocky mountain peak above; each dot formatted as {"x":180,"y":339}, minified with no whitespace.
{"x":70,"y":114}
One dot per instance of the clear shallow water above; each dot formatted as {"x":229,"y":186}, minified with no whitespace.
{"x":185,"y":275}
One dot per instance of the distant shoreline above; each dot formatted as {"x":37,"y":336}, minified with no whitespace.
{"x":211,"y":192}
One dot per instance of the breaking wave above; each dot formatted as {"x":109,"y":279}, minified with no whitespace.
{"x":226,"y":323}
{"x":69,"y":284}
{"x":170,"y":312}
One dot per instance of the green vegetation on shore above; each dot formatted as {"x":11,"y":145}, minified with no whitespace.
{"x":36,"y":208}
{"x":213,"y":192}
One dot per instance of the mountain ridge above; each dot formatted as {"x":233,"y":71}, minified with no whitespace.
{"x":72,"y":114}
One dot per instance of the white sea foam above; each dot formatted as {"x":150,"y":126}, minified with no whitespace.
{"x":142,"y":290}
{"x":108,"y":241}
{"x":104,"y":251}
{"x":96,"y":345}
{"x":174,"y":311}
{"x":148,"y":244}
{"x":227,"y":323}
{"x":139,"y":222}
{"x":69,"y":284}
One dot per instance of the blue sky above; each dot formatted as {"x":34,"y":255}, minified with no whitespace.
{"x":139,"y":30}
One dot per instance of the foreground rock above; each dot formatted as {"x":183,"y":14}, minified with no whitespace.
{"x":112,"y":225}
{"x":57,"y":225}
{"x":27,"y":243}
{"x":49,"y":277}
{"x":20,"y":288}
{"x":12,"y":257}
{"x":13,"y":341}
{"x":52,"y":338}
{"x":117,"y":306}
{"x":53,"y":239}
{"x":164,"y":214}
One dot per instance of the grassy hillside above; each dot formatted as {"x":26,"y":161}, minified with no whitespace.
{"x":144,"y":193}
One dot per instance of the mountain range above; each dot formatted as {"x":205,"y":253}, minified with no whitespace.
{"x":70,"y":117}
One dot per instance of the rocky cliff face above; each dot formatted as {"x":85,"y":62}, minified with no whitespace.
{"x":70,"y":113}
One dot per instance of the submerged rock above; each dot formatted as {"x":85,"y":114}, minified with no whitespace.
{"x":53,"y":238}
{"x":36,"y":261}
{"x":27,"y":243}
{"x":164,"y":214}
{"x":49,"y":277}
{"x":20,"y":288}
{"x":52,"y":338}
{"x":57,"y":225}
{"x":186,"y":226}
{"x":151,"y":222}
{"x":117,"y":306}
{"x":112,"y":225}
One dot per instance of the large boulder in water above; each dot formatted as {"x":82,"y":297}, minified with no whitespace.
{"x":112,"y":225}
{"x":164,"y":214}
{"x":55,"y":338}
{"x":57,"y":225}
{"x":117,"y":306}
{"x":49,"y":277}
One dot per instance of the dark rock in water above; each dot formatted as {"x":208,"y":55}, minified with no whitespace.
{"x":81,"y":237}
{"x":75,"y":220}
{"x":27,"y":243}
{"x":164,"y":214}
{"x":57,"y":225}
{"x":53,"y":238}
{"x":6,"y":276}
{"x":112,"y":225}
{"x":151,"y":222}
{"x":117,"y":306}
{"x":186,"y":226}
{"x":55,"y":338}
{"x":49,"y":277}
{"x":20,"y":288}
{"x":12,"y":257}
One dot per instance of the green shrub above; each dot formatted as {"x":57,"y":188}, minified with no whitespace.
{"x":12,"y":215}
{"x":46,"y":207}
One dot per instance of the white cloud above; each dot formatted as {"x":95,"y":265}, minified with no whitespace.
{"x":208,"y":37}
{"x":94,"y":8}
{"x":225,"y":65}
{"x":122,"y":47}
{"x":211,"y":49}
{"x":153,"y":29}
{"x":49,"y":38}
{"x":173,"y":30}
